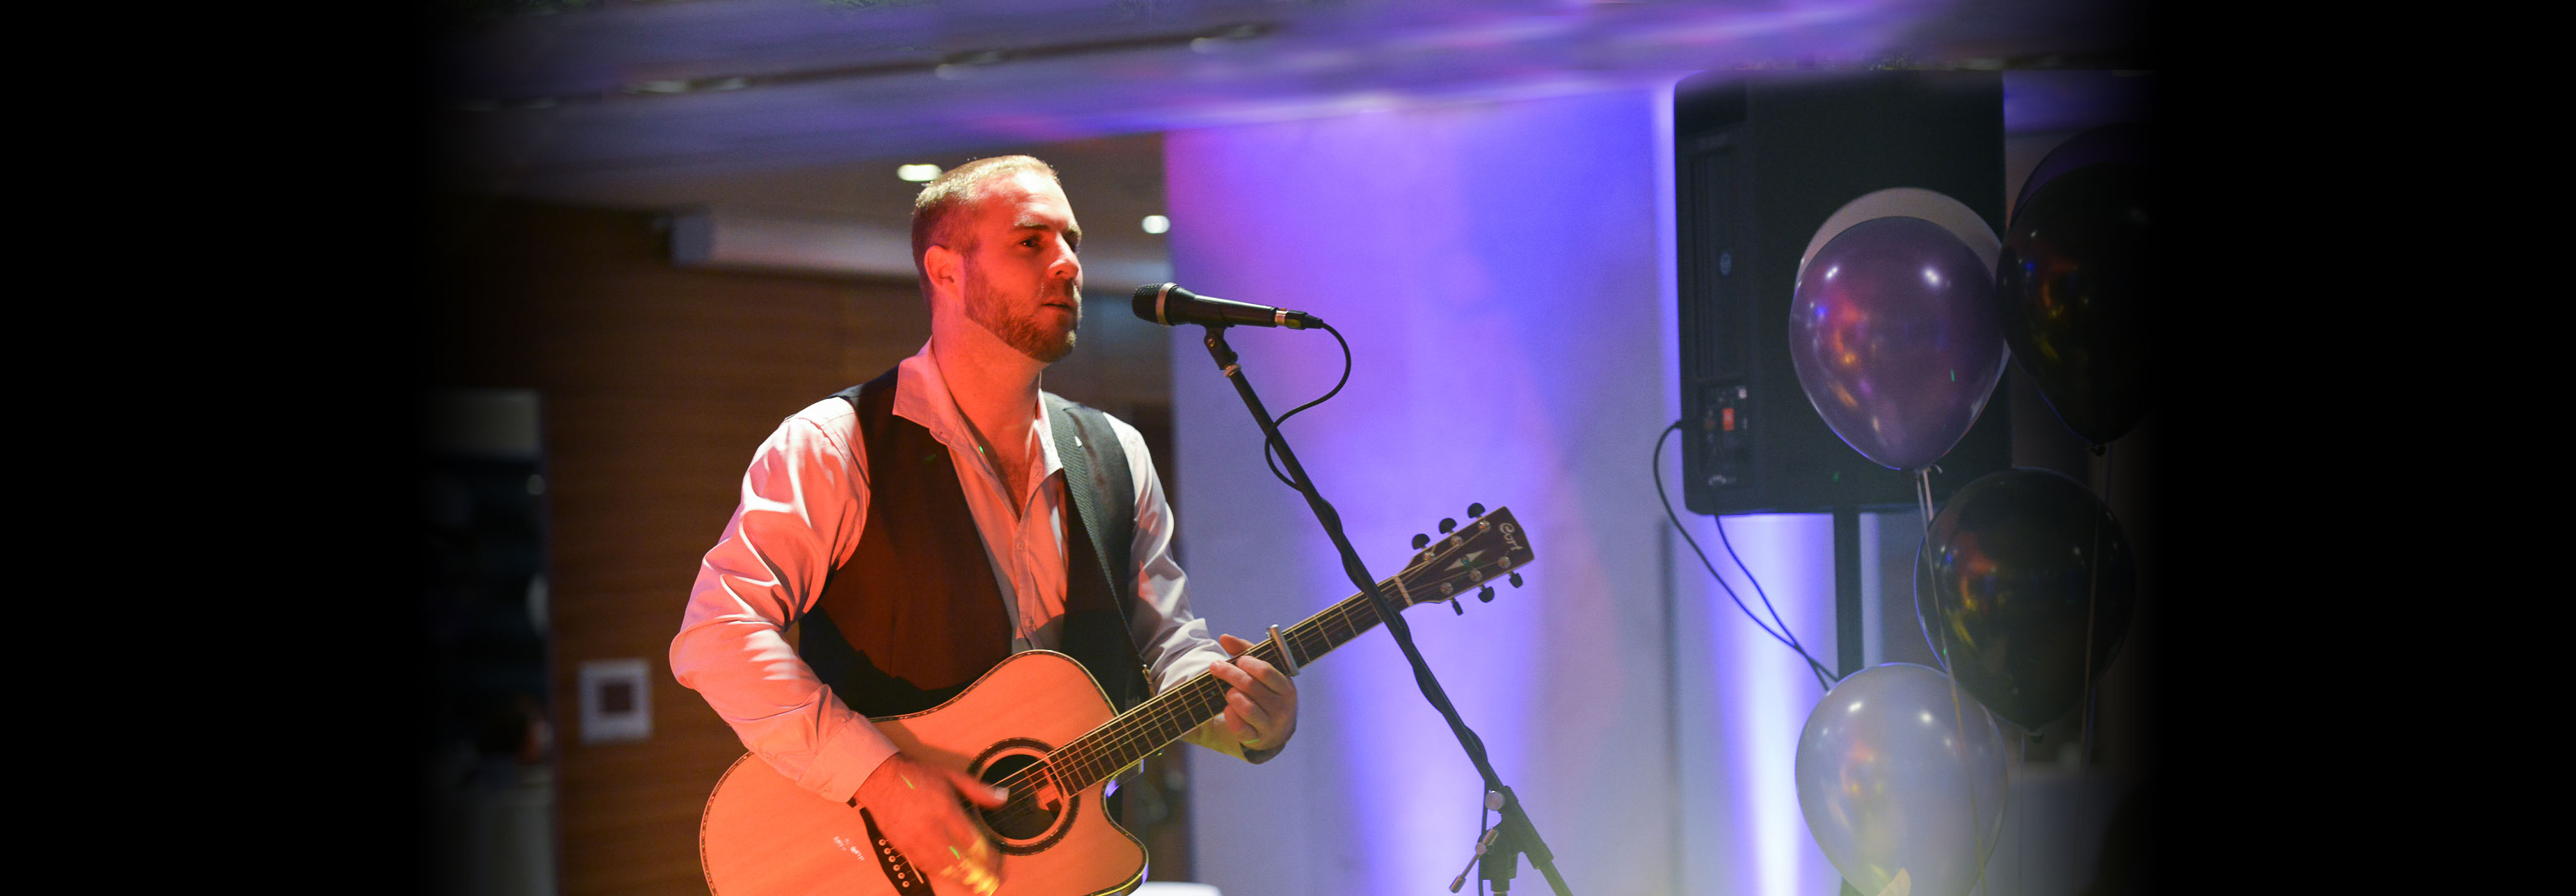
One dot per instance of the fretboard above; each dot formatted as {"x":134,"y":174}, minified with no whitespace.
{"x":1157,"y":722}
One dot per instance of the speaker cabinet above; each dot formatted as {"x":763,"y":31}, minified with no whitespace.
{"x":1763,"y":159}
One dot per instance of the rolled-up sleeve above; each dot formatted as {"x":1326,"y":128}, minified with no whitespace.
{"x":804,"y":502}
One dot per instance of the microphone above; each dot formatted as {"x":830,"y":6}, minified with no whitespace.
{"x":1170,"y":305}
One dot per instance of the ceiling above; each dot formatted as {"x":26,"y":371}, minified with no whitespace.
{"x":607,"y":88}
{"x":806,"y":106}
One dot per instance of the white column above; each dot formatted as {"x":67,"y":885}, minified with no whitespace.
{"x":1503,"y":274}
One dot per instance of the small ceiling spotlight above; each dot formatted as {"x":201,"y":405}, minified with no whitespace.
{"x":1157,"y":224}
{"x":918,"y":174}
{"x":1217,"y":41}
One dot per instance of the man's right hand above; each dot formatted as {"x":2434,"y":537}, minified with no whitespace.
{"x":916,"y":808}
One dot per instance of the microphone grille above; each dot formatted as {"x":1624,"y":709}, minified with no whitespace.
{"x":1148,"y":302}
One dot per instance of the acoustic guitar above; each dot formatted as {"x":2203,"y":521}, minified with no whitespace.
{"x":1038,"y":725}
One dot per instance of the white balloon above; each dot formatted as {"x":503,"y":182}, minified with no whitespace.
{"x":1909,"y":202}
{"x":1902,"y":776}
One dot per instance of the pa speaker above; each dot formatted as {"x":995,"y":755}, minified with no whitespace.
{"x":1762,"y":161}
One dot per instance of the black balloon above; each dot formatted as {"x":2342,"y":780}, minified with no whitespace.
{"x":2108,"y":143}
{"x":2077,"y":279}
{"x":2007,"y":582}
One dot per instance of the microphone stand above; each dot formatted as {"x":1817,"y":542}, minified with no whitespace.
{"x":1514,"y":835}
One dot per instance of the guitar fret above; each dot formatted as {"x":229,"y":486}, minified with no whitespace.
{"x":1491,"y":546}
{"x":1166,"y":717}
{"x":1170,"y":715}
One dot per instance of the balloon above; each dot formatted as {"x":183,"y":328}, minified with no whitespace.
{"x":2004,"y":584}
{"x":2108,"y":143}
{"x":1895,"y":340}
{"x":1908,"y":202}
{"x":2075,"y":280}
{"x":1898,"y":772}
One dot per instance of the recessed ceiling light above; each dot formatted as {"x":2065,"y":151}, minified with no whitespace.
{"x":1157,"y":224}
{"x":917,"y":173}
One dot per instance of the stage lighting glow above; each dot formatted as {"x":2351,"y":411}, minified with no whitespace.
{"x":917,"y":173}
{"x":1157,"y":224}
{"x":1493,"y":395}
{"x":1768,"y":699}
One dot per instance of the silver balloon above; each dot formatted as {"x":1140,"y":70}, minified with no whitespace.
{"x":1900,"y":773}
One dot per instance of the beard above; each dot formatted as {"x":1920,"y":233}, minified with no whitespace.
{"x":1043,"y":343}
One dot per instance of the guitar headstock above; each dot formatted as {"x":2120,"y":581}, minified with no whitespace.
{"x":1490,"y":546}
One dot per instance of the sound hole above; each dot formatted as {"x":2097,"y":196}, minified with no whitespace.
{"x":1032,"y":807}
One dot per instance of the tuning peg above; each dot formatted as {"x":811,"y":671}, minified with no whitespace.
{"x":1419,"y":540}
{"x":1475,"y":510}
{"x":1516,"y":580}
{"x":1453,"y":604}
{"x":1448,"y":525}
{"x":1485,"y":594}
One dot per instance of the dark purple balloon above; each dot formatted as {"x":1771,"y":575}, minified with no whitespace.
{"x":2107,"y":143}
{"x":1896,"y":338}
{"x":2024,"y":584}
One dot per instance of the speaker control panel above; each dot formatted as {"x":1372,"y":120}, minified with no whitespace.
{"x":1723,"y":441}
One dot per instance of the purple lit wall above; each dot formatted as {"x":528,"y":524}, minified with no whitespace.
{"x":1742,"y":700}
{"x":1503,"y":272}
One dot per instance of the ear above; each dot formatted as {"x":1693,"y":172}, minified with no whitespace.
{"x":946,"y":270}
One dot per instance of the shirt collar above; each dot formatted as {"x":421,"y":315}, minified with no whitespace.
{"x":921,"y":395}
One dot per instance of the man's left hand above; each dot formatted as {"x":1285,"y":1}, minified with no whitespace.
{"x":1261,"y":707}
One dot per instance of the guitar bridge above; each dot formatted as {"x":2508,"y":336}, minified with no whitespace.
{"x":898,"y":870}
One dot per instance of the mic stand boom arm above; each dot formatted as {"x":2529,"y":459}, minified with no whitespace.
{"x":1517,"y":834}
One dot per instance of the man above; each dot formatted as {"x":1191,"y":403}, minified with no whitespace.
{"x":907,"y":579}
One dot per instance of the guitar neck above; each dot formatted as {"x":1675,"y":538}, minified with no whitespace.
{"x":1156,"y":723}
{"x":1489,"y":546}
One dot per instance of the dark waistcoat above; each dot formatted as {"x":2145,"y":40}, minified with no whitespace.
{"x":914,"y":616}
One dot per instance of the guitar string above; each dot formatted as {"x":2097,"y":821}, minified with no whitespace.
{"x":1115,"y":745}
{"x":1092,"y":757}
{"x":1086,"y":754}
{"x":1083,"y":758}
{"x":1095,"y":755}
{"x":1155,"y":725}
{"x":1348,"y":614}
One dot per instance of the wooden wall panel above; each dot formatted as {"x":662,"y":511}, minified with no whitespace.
{"x":656,"y":385}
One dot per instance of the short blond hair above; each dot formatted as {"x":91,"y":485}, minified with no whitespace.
{"x":934,"y":212}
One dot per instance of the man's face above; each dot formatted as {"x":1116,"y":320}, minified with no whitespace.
{"x":1023,"y":283}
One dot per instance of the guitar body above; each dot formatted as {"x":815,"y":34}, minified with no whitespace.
{"x":762,"y":834}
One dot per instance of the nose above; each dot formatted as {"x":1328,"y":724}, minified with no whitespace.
{"x":1066,"y":264}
